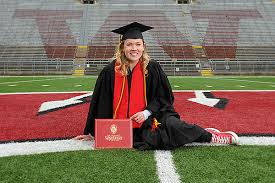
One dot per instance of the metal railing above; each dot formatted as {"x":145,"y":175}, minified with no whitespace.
{"x":171,"y":68}
{"x":243,"y":67}
{"x":36,"y":67}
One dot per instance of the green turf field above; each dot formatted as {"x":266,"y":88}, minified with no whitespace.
{"x":245,"y":164}
{"x":194,"y":164}
{"x":86,"y":83}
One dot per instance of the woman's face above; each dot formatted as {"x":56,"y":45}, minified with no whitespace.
{"x":133,"y":49}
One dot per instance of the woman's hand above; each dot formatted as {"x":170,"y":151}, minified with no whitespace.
{"x":84,"y":137}
{"x":138,"y":117}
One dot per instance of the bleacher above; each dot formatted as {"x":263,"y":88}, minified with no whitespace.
{"x":44,"y":37}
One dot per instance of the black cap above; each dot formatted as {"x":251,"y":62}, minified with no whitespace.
{"x":132,"y":31}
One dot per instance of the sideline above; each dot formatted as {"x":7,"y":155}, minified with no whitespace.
{"x":30,"y":81}
{"x":174,"y":91}
{"x":32,"y":93}
{"x":243,"y":80}
{"x":26,"y":148}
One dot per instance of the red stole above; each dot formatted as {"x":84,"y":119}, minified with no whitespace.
{"x":137,"y":97}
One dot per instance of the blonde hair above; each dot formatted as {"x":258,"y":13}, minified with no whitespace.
{"x":122,"y":64}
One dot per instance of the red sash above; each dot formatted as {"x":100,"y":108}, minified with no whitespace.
{"x":137,"y":97}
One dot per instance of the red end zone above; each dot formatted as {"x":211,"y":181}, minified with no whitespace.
{"x":246,"y":113}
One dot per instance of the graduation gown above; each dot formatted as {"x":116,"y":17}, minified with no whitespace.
{"x":172,"y":131}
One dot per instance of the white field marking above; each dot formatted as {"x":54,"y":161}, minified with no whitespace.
{"x":176,"y":91}
{"x":78,"y":85}
{"x":11,"y":85}
{"x":249,"y":81}
{"x":200,"y":98}
{"x":55,"y":104}
{"x":241,"y":86}
{"x":176,"y":86}
{"x":45,"y":85}
{"x":257,"y":140}
{"x":87,"y":76}
{"x":26,"y":148}
{"x":243,"y":140}
{"x":32,"y":93}
{"x":208,"y":86}
{"x":165,"y":167}
{"x":30,"y":81}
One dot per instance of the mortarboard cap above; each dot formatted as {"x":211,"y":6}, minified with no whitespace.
{"x":132,"y":31}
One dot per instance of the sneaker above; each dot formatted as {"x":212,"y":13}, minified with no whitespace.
{"x":212,"y":130}
{"x":228,"y":137}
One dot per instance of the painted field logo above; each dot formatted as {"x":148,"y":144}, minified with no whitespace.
{"x":202,"y":98}
{"x":245,"y":112}
{"x":62,"y":104}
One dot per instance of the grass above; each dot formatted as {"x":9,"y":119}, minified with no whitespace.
{"x":245,"y":164}
{"x":82,"y":166}
{"x":53,"y":84}
{"x":86,"y":83}
{"x":228,"y":164}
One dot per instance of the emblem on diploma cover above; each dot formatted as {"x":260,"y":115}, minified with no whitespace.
{"x":113,"y":128}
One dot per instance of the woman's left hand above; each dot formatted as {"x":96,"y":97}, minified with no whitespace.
{"x":138,"y":117}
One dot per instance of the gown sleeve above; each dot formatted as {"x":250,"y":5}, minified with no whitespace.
{"x":159,"y":93}
{"x":101,"y":103}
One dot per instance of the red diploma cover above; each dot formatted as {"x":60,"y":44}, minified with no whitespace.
{"x":113,"y":133}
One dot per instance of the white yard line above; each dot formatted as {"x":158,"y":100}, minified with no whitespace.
{"x":257,"y":140}
{"x":265,"y":141}
{"x":242,"y":80}
{"x":30,"y":81}
{"x":176,"y":91}
{"x":25,"y":148}
{"x":208,"y":86}
{"x":165,"y":167}
{"x":31,"y":93}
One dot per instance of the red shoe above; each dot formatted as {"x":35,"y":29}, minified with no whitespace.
{"x":225,"y":138}
{"x":212,"y":130}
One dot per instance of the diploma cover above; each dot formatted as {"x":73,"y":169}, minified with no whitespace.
{"x":113,"y":133}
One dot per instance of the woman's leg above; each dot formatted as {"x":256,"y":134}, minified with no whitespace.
{"x":180,"y":132}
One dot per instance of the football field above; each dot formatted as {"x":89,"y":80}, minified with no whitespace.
{"x":86,"y":83}
{"x":31,"y":145}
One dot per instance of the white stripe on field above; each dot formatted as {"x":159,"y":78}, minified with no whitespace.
{"x":243,"y":80}
{"x":175,"y":91}
{"x":30,"y":81}
{"x":32,"y":93}
{"x":178,"y":91}
{"x":26,"y":148}
{"x":165,"y":167}
{"x":243,"y":141}
{"x":257,"y":140}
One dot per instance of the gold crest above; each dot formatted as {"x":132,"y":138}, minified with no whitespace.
{"x":113,"y":128}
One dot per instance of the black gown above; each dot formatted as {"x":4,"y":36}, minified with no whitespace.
{"x":172,"y":131}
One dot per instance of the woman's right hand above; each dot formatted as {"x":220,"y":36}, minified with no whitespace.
{"x":84,"y":137}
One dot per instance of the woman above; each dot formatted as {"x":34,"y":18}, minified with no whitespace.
{"x":132,"y":86}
